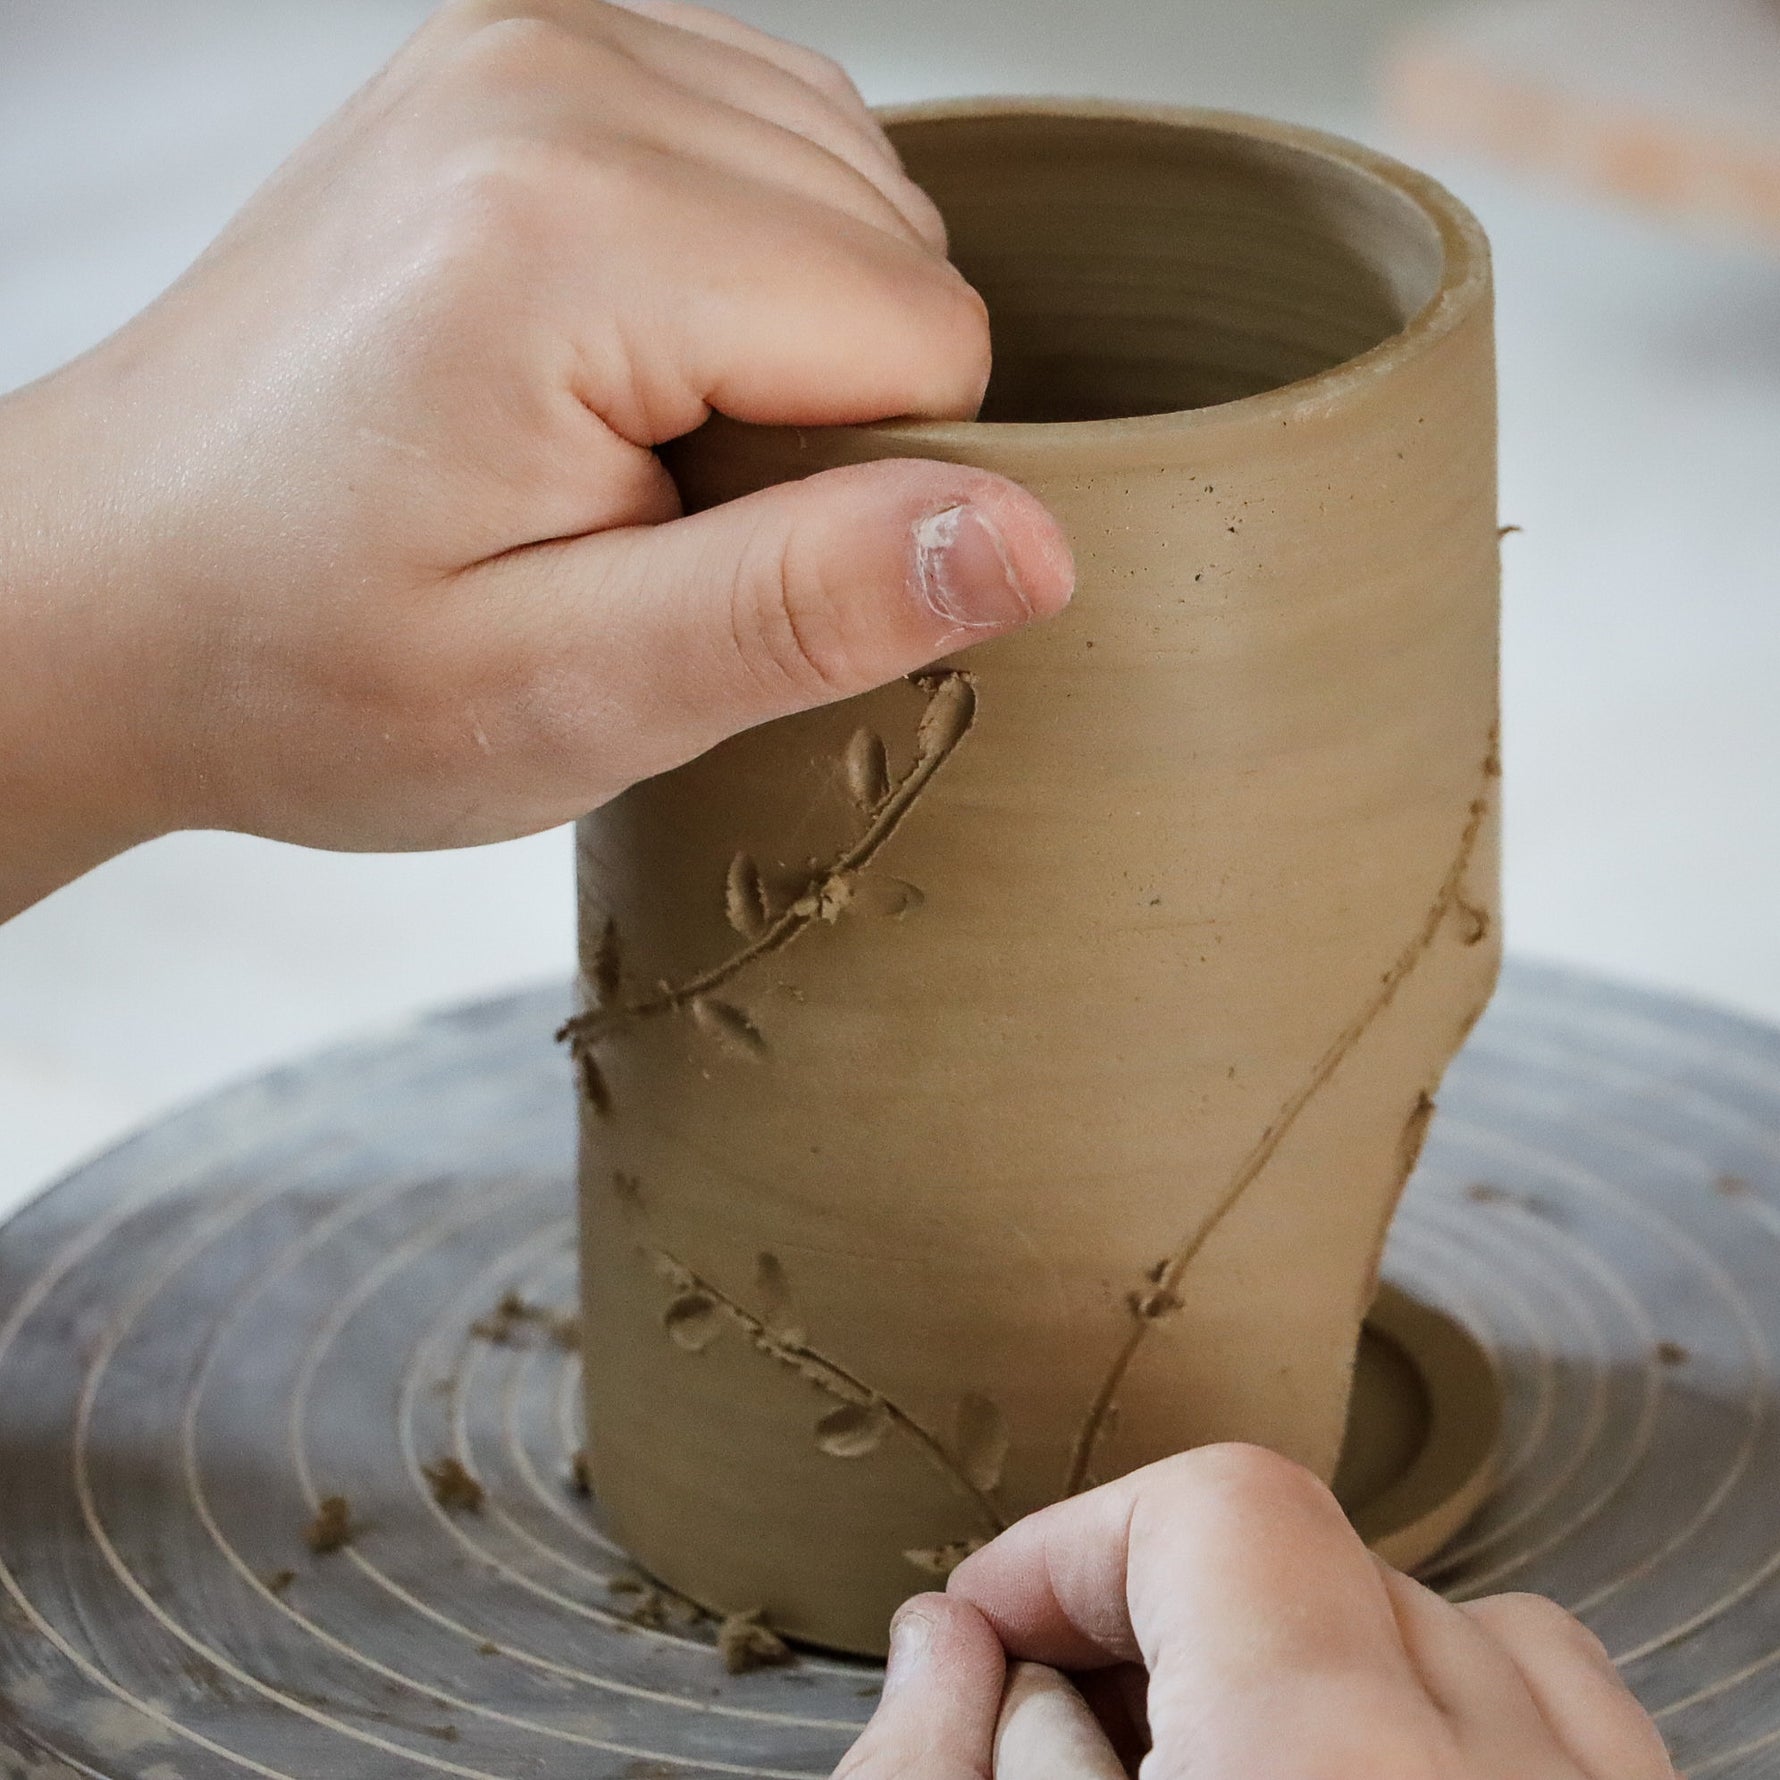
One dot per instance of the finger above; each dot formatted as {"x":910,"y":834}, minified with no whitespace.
{"x":764,"y":107}
{"x":793,"y":88}
{"x":781,"y":145}
{"x":807,"y":317}
{"x":786,"y":599}
{"x":1116,"y":1697}
{"x":1576,"y":1688}
{"x":761,"y":276}
{"x":829,"y":326}
{"x":811,"y":66}
{"x":1474,"y":1684}
{"x":1233,"y":1576}
{"x":942,"y":1695}
{"x":1047,"y":1732}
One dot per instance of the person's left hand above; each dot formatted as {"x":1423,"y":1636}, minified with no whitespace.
{"x":1226,"y":1623}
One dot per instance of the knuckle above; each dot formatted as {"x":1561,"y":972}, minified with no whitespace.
{"x":1254,"y":1475}
{"x":491,"y":202}
{"x":958,"y":323}
{"x":1539,"y":1616}
{"x":822,"y":72}
{"x":502,"y":42}
{"x":785,"y":625}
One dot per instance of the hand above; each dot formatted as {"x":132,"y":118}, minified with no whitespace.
{"x":1220,"y":1613}
{"x":356,"y":537}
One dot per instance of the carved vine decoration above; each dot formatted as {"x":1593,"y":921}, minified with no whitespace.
{"x":831,"y":889}
{"x":860,"y":1417}
{"x":1159,"y":1295}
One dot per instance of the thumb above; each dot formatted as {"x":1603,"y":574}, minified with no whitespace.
{"x":942,"y":1697}
{"x":793,"y":597}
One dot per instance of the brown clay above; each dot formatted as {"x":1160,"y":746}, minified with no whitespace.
{"x":1006,"y":1079}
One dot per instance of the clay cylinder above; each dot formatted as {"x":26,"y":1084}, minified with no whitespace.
{"x":1006,"y":1079}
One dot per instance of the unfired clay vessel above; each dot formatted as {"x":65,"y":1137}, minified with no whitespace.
{"x":1006,"y":1079}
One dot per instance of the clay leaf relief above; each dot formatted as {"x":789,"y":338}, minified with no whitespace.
{"x":832,"y":888}
{"x":858,"y":1419}
{"x":1159,"y":1295}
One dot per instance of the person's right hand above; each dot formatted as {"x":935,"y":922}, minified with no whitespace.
{"x":1221,"y":1614}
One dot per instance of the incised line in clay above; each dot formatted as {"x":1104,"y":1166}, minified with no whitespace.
{"x":950,"y":711}
{"x":862,"y":1416}
{"x":1160,"y":1295}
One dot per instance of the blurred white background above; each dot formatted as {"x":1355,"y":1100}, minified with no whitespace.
{"x":1640,"y":452}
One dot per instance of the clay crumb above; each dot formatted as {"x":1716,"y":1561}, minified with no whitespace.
{"x":651,"y":1607}
{"x":280,"y":1580}
{"x":745,"y":904}
{"x":867,"y":769}
{"x":488,"y":1647}
{"x":745,"y":1642}
{"x":647,"y":1609}
{"x":853,"y":1430}
{"x":1671,"y":1353}
{"x":1732,"y":1186}
{"x":942,"y":1560}
{"x":332,"y":1528}
{"x":1482,"y":1192}
{"x":835,"y":894}
{"x":1509,"y":531}
{"x":513,"y":1320}
{"x":454,"y":1489}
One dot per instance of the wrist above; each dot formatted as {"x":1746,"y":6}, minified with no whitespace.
{"x":84,"y":773}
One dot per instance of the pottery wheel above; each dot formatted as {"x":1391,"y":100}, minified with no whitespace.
{"x":271,"y":1298}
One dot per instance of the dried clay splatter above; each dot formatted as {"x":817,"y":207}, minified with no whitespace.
{"x":454,"y":1489}
{"x":332,"y":1527}
{"x":652,"y":1607}
{"x":942,"y":1560}
{"x":745,"y":1642}
{"x":515,"y":1321}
